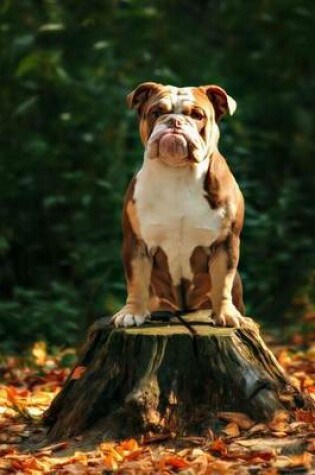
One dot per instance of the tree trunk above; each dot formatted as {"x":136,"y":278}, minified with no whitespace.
{"x":162,"y":377}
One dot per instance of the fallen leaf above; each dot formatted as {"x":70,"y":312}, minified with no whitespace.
{"x":257,"y":428}
{"x":242,"y":420}
{"x":304,"y":460}
{"x":109,"y":461}
{"x":218,"y":446}
{"x":134,"y":455}
{"x":6,"y":449}
{"x":18,"y":404}
{"x":279,"y":434}
{"x":281,"y":416}
{"x":54,"y":447}
{"x":110,"y":450}
{"x":221,"y":467}
{"x":279,"y":426}
{"x":172,"y":461}
{"x":201,"y":465}
{"x":299,"y":426}
{"x":129,"y":445}
{"x":194,"y":453}
{"x":16,"y":427}
{"x":281,"y":462}
{"x":10,"y":438}
{"x":231,"y":430}
{"x":305,"y":415}
{"x":78,"y":372}
{"x":75,"y":468}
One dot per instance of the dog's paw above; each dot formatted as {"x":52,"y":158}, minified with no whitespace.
{"x":130,"y":316}
{"x":229,"y":316}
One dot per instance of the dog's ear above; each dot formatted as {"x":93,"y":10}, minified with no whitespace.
{"x":141,"y":94}
{"x":220,"y":100}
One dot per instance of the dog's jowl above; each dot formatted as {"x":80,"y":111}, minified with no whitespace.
{"x":184,"y":211}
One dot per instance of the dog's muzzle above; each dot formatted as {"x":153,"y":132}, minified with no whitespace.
{"x":174,"y":145}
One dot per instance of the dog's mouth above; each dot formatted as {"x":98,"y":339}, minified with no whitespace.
{"x":173,"y":145}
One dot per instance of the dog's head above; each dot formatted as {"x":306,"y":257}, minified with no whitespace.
{"x":179,"y":125}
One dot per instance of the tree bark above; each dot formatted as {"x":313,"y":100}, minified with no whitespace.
{"x":163,"y":378}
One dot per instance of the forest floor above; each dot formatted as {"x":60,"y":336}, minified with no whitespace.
{"x":284,"y":445}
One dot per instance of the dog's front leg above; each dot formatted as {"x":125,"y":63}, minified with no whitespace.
{"x":138,"y":267}
{"x":222,"y":268}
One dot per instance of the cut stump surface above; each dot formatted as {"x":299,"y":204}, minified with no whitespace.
{"x":162,"y":378}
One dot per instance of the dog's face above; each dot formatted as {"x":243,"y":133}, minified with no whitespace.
{"x":179,"y":125}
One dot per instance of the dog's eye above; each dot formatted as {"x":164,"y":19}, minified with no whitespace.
{"x":196,"y":114}
{"x":155,"y":113}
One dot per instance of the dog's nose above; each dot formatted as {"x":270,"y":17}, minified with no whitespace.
{"x":176,"y":121}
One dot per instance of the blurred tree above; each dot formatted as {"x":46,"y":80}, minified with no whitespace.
{"x":69,"y":145}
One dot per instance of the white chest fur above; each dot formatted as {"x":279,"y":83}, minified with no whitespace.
{"x":174,"y":214}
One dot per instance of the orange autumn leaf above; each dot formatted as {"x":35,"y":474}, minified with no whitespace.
{"x":6,"y":449}
{"x":302,"y":460}
{"x":231,"y":430}
{"x":279,"y":426}
{"x":305,"y":416}
{"x":108,"y":449}
{"x":109,"y":461}
{"x":173,"y":461}
{"x":78,"y":372}
{"x":220,"y":467}
{"x":134,"y":455}
{"x":25,"y":463}
{"x":129,"y":445}
{"x":12,"y":394}
{"x":219,"y":446}
{"x":15,"y":401}
{"x":281,"y":416}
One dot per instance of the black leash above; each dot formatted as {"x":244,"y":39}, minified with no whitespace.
{"x":167,"y":315}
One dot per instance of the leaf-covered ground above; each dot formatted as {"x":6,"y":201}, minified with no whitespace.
{"x":28,"y":384}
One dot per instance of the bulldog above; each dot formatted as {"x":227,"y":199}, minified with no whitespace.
{"x":183,"y":211}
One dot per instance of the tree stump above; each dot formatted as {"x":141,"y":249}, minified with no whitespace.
{"x":161,"y":377}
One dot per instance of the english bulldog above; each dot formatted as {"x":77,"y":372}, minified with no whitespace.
{"x":183,"y":211}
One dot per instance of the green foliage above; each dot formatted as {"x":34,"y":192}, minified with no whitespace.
{"x":69,"y":146}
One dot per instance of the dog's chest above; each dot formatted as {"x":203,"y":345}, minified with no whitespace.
{"x":175,"y":216}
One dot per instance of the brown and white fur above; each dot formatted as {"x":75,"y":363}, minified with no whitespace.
{"x":184,"y":211}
